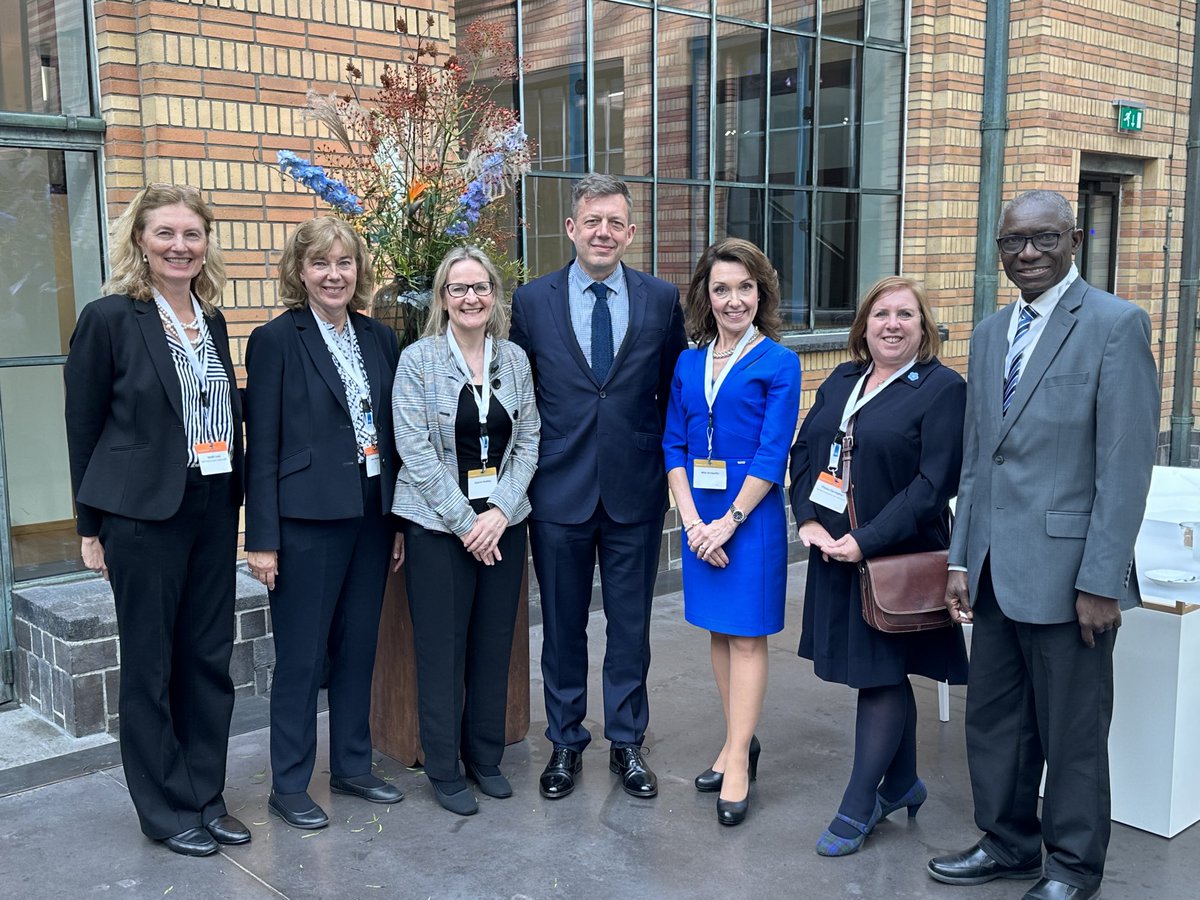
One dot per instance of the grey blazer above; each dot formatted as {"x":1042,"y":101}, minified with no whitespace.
{"x":1054,"y":492}
{"x":424,"y":407}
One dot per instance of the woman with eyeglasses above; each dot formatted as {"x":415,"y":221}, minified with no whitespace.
{"x":467,"y":430}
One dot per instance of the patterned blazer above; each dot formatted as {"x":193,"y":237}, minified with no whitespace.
{"x":425,"y":399}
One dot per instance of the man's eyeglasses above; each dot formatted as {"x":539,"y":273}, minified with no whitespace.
{"x":1045,"y":242}
{"x":458,"y":289}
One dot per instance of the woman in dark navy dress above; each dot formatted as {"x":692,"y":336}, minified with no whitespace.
{"x":744,"y":388}
{"x":908,"y":417}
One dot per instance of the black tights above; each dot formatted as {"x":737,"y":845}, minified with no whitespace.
{"x":885,"y":752}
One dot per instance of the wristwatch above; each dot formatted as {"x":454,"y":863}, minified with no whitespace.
{"x":738,"y":516}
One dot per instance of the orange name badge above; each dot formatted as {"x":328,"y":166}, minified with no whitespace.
{"x":371,"y":455}
{"x":829,"y":491}
{"x":213,"y":457}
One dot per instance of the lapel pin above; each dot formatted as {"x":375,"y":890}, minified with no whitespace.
{"x":913,"y":376}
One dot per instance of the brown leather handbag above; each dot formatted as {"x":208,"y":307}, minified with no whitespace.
{"x":900,"y":593}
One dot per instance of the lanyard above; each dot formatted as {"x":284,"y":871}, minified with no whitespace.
{"x":854,"y":402}
{"x":483,"y":394}
{"x":190,"y":351}
{"x":357,"y":375}
{"x":711,"y":387}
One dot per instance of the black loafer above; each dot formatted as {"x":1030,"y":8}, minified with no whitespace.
{"x":228,"y":830}
{"x":636,"y":777}
{"x":974,"y":866}
{"x":494,"y":784}
{"x":378,"y":791}
{"x":455,"y":796}
{"x":558,"y":778}
{"x":1049,"y":889}
{"x":310,"y":818}
{"x":193,"y":842}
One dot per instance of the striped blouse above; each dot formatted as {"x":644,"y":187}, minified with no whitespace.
{"x":220,"y":424}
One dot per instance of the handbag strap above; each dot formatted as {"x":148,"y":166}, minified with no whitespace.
{"x":847,"y":454}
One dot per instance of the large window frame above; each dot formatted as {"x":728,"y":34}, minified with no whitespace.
{"x":807,"y":301}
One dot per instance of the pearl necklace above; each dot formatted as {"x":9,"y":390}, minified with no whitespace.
{"x":193,"y":325}
{"x":725,"y":354}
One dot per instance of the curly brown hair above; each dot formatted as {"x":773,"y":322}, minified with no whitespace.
{"x":698,"y":316}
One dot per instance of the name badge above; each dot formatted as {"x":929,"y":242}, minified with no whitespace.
{"x":708,"y":474}
{"x":214,"y":457}
{"x":371,"y":456}
{"x":481,"y":483}
{"x":829,"y":492}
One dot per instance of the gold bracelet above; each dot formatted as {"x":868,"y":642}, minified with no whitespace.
{"x":687,"y":528}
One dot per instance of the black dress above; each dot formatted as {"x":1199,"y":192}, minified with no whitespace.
{"x":907,"y":457}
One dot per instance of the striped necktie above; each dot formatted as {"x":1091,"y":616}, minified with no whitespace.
{"x":1016,"y":352}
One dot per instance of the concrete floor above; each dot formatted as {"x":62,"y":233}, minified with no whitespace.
{"x":78,"y":837}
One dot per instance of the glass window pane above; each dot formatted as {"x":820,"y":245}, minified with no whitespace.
{"x":37,"y":473}
{"x":837,"y":142}
{"x":836,"y":260}
{"x":883,"y":106}
{"x":624,"y":103}
{"x":548,"y":203}
{"x":790,"y":225}
{"x":555,"y":86}
{"x":640,"y":254}
{"x":741,"y":110}
{"x":798,"y":14}
{"x":792,"y":77}
{"x":682,"y":226}
{"x":739,"y":214}
{"x":698,"y":5}
{"x":493,"y":67}
{"x":886,"y":20}
{"x":879,"y":239}
{"x":683,"y":109}
{"x":49,"y":247}
{"x":750,"y":10}
{"x":44,"y":57}
{"x":842,"y":18}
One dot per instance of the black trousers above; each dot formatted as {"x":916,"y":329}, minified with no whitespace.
{"x":1038,"y":695}
{"x":173,"y":583}
{"x":564,"y":557}
{"x":463,"y":616}
{"x":326,"y":602}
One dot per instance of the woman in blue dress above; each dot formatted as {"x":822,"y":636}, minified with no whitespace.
{"x":735,"y":401}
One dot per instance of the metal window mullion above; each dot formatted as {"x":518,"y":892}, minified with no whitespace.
{"x":522,"y":204}
{"x":712,"y":123}
{"x":654,"y":140}
{"x":766,"y":158}
{"x":589,"y":74}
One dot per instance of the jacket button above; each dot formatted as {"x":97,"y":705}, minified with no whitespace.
{"x":603,"y":395}
{"x":998,"y":459}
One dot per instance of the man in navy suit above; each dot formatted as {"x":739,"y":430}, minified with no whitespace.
{"x":602,"y":340}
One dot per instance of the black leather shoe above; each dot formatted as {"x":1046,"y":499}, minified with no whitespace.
{"x":378,"y":791}
{"x":193,"y":842}
{"x":636,"y":777}
{"x":1049,"y":889}
{"x":732,"y":812}
{"x":310,"y":818}
{"x":228,"y":830}
{"x":455,"y":796}
{"x":558,"y":778}
{"x":710,"y":781}
{"x":974,"y":866}
{"x":492,"y":783}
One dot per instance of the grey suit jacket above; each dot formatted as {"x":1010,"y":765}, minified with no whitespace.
{"x":1054,"y":492}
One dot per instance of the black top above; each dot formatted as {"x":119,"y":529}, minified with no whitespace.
{"x":466,"y":438}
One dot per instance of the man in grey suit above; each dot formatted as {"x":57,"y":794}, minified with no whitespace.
{"x":1061,"y":426}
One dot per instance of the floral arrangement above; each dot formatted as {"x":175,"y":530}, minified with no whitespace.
{"x":422,"y":165}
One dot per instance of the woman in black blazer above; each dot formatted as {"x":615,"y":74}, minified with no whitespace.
{"x":154,"y":433}
{"x":320,"y":472}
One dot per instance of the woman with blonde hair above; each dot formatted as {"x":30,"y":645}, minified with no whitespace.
{"x":154,"y":433}
{"x":320,"y":469}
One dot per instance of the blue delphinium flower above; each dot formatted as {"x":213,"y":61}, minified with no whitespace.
{"x":314,"y":178}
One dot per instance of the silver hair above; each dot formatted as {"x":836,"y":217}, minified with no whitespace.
{"x":1052,"y":199}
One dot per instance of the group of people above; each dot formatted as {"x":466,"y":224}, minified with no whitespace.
{"x":566,"y":426}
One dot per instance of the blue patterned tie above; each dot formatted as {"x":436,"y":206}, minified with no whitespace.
{"x":602,"y":339}
{"x":1015,"y":352}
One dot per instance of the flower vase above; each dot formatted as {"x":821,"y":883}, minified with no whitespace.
{"x":403,"y":305}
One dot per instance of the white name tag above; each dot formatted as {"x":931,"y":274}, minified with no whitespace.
{"x":708,"y":474}
{"x":214,"y":457}
{"x":828,"y":492}
{"x":481,"y":483}
{"x":371,"y":455}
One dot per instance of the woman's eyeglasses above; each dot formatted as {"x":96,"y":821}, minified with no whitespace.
{"x":458,"y":289}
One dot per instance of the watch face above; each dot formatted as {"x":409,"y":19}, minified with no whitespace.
{"x":738,"y":515}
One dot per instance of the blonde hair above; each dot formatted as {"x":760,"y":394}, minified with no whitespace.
{"x":439,"y":316}
{"x":131,"y":272}
{"x":313,"y":239}
{"x":931,"y":341}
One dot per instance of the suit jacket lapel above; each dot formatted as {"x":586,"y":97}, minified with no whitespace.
{"x":560,"y":312}
{"x":1061,"y":321}
{"x":635,"y":286}
{"x":147,"y":318}
{"x":221,"y":340}
{"x":372,"y":362}
{"x":306,"y":325}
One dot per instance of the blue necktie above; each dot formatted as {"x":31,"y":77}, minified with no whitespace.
{"x":602,"y":340}
{"x":1015,"y":352}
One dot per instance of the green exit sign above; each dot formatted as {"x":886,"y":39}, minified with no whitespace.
{"x":1130,"y":118}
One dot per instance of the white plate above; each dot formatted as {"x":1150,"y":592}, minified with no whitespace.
{"x":1170,"y":576}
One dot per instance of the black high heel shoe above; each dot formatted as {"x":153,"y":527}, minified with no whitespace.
{"x":709,"y":782}
{"x":733,"y":812}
